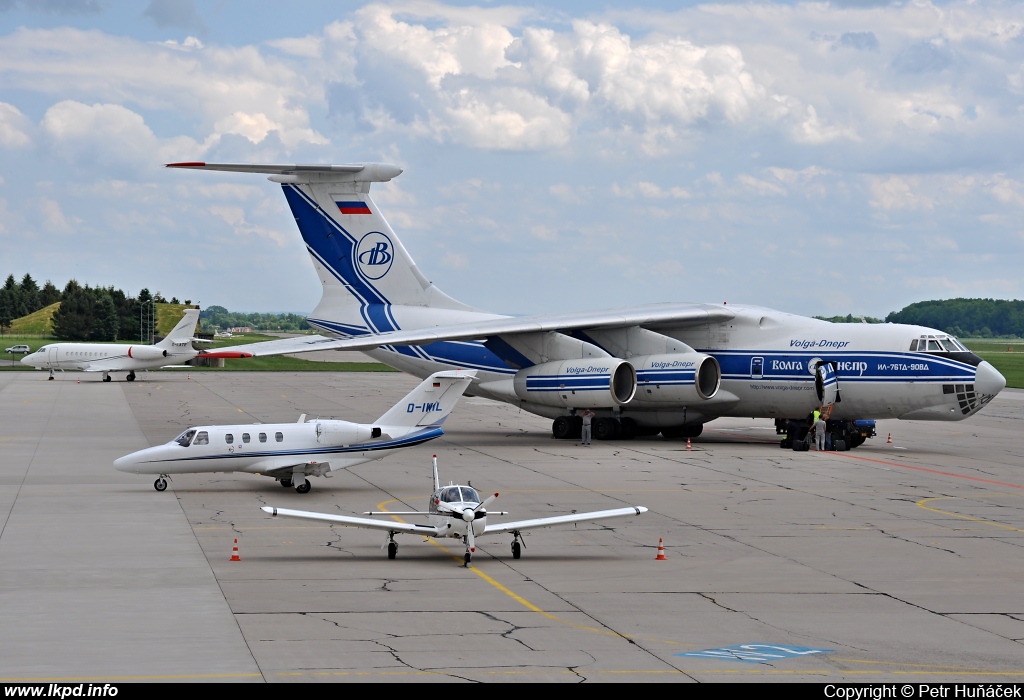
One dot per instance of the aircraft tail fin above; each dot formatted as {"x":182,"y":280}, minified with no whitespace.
{"x":184,"y":331}
{"x":361,"y":263}
{"x":430,"y":403}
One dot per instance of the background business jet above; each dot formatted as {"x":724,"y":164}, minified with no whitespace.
{"x":175,"y":349}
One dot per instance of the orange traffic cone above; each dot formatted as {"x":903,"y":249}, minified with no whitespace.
{"x":889,"y":441}
{"x":661,"y":552}
{"x":234,"y":552}
{"x":688,"y":445}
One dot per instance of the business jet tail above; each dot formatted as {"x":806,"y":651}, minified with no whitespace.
{"x":430,"y":403}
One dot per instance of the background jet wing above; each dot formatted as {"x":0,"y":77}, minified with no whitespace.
{"x":649,"y":316}
{"x":370,"y":523}
{"x":563,"y":519}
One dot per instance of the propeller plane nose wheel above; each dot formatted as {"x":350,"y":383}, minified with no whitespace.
{"x":304,"y":487}
{"x":160,"y":484}
{"x":467,"y":558}
{"x":392,"y":550}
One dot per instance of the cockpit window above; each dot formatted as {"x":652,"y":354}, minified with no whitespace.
{"x":913,"y":345}
{"x":202,"y":438}
{"x":185,"y":438}
{"x":933,"y":346}
{"x":452,"y":494}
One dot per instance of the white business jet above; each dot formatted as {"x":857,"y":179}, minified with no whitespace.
{"x":665,"y":368}
{"x":455,"y":511}
{"x":175,"y":349}
{"x":289,"y":452}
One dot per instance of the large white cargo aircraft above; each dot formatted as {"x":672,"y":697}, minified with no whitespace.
{"x":665,"y":368}
{"x":175,"y":349}
{"x":289,"y":452}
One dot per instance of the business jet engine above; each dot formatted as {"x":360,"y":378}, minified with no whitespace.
{"x":678,"y":378}
{"x":604,"y":382}
{"x":339,"y":432}
{"x":145,"y":353}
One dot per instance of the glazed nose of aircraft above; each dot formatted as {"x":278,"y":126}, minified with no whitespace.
{"x":988,"y":380}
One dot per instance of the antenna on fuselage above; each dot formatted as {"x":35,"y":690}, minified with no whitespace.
{"x":437,"y":482}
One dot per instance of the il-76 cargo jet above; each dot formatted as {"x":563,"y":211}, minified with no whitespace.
{"x":665,"y":368}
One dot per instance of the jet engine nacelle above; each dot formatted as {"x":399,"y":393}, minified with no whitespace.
{"x":146,"y":353}
{"x":339,"y":432}
{"x":677,"y":377}
{"x":604,"y":382}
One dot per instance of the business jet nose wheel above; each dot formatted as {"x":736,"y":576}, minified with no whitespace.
{"x":160,"y":484}
{"x":304,"y":487}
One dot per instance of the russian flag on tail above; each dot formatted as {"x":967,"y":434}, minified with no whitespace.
{"x":353,"y":207}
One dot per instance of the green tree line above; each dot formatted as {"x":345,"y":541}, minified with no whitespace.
{"x":219,"y":318}
{"x":85,"y":313}
{"x":979,"y":318}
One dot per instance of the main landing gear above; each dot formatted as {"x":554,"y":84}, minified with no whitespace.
{"x":391,"y":545}
{"x":517,"y":550}
{"x":106,"y":376}
{"x":303,"y":487}
{"x":161,"y":483}
{"x":50,"y":378}
{"x":131,"y":376}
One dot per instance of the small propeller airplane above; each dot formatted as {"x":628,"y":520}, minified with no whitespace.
{"x":457,"y":512}
{"x":289,"y":452}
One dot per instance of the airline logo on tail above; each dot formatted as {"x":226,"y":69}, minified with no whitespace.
{"x":375,"y":253}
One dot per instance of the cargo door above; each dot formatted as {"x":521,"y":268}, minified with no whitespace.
{"x":826,"y":384}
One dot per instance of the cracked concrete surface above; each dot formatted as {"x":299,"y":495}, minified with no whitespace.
{"x":836,"y":551}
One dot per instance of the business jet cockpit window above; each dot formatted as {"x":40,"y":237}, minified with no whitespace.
{"x":937,"y":343}
{"x":185,"y":438}
{"x":202,"y":438}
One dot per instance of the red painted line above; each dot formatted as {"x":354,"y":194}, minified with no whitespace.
{"x":930,"y":471}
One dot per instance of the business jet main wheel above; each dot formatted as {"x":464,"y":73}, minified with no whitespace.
{"x":392,"y":550}
{"x":131,"y":376}
{"x":516,"y":551}
{"x":304,"y":487}
{"x":106,"y":378}
{"x":287,"y":483}
{"x":160,"y":484}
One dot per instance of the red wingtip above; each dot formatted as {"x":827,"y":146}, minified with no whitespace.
{"x":196,"y":164}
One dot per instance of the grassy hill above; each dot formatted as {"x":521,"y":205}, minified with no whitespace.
{"x":38,"y":323}
{"x":167,"y":315}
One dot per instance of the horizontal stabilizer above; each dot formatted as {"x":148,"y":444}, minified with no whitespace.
{"x":313,"y":172}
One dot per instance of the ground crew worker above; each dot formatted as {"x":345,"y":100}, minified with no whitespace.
{"x":819,"y":432}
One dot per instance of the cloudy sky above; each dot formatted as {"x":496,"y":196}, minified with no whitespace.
{"x":819,"y":158}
